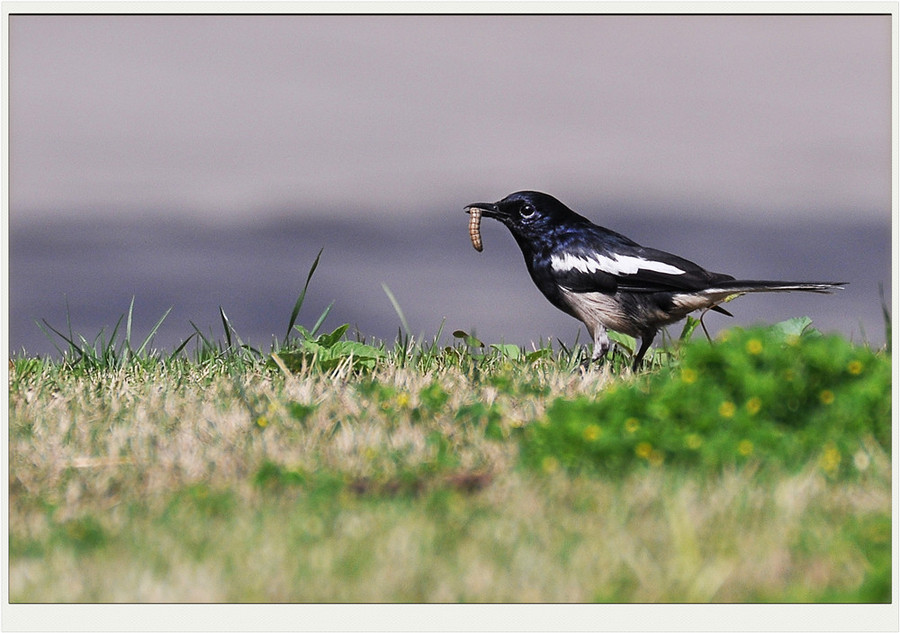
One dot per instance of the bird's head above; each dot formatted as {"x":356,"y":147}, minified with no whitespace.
{"x":531,"y":216}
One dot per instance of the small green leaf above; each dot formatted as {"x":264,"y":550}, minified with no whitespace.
{"x":468,"y":338}
{"x":539,"y":354}
{"x":795,"y":327}
{"x":512,"y":352}
{"x":329,"y":340}
{"x":623,"y":340}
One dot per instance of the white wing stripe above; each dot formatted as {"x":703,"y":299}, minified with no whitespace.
{"x":615,"y":265}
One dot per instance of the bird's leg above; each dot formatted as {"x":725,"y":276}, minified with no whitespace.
{"x":601,"y":343}
{"x":703,"y":325}
{"x":646,"y":340}
{"x":601,"y":346}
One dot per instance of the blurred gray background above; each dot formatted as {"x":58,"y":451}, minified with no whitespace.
{"x":199,"y":161}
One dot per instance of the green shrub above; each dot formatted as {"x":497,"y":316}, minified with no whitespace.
{"x":762,"y":395}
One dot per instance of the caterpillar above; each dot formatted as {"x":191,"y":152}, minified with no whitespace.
{"x":475,"y":228}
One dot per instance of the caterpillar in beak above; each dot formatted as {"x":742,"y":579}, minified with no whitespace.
{"x":475,"y":228}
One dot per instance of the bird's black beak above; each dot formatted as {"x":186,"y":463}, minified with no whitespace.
{"x":488,"y":209}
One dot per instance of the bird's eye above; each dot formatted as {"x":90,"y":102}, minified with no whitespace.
{"x":527,"y":211}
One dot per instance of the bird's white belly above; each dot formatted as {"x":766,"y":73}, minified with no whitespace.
{"x":597,"y":307}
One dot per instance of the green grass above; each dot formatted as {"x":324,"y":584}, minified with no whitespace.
{"x":754,"y":468}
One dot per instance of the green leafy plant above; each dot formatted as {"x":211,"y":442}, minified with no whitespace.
{"x":780,"y":395}
{"x":328,"y":351}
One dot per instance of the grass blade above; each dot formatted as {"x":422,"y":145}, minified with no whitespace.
{"x":73,"y":348}
{"x":886,"y":315}
{"x":299,"y":303}
{"x":397,"y":309}
{"x":111,"y":346}
{"x":182,"y":346}
{"x":152,"y":332}
{"x":321,"y":320}
{"x":226,"y":325}
{"x":68,"y":325}
{"x":128,"y":328}
{"x":85,"y":346}
{"x":206,"y":342}
{"x":690,"y":324}
{"x":49,"y":337}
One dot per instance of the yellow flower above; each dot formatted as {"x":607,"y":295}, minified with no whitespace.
{"x":632,"y":425}
{"x":550,"y":464}
{"x":643,"y":450}
{"x":688,"y":376}
{"x":693,"y":441}
{"x":827,"y":396}
{"x":754,"y":346}
{"x":727,"y":409}
{"x":754,"y":404}
{"x":830,"y":459}
{"x":262,"y":421}
{"x":592,"y":432}
{"x":855,"y":367}
{"x":402,"y":399}
{"x":745,"y":447}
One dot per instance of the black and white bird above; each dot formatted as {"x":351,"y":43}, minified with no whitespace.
{"x":608,"y":281}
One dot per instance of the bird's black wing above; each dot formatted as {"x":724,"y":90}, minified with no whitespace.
{"x":597,"y":260}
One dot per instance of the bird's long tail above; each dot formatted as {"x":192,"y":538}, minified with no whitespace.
{"x":741,"y":286}
{"x":723,"y":290}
